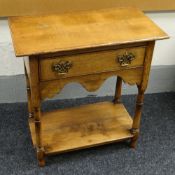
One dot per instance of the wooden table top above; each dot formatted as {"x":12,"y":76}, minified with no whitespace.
{"x":34,"y":35}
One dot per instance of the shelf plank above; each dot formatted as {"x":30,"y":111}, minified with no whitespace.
{"x":84,"y":126}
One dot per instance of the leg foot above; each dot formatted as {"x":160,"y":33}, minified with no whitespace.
{"x":134,"y":139}
{"x":40,"y":157}
{"x":133,"y":143}
{"x":41,"y":163}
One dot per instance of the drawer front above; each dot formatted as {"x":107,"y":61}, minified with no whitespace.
{"x":90,"y":63}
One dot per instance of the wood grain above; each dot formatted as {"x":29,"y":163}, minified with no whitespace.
{"x":28,"y":89}
{"x":90,"y":63}
{"x":84,"y":126}
{"x":89,"y":29}
{"x":49,"y":89}
{"x":118,"y":90}
{"x":141,"y":89}
{"x":38,"y":7}
{"x":31,"y":65}
{"x":147,"y":65}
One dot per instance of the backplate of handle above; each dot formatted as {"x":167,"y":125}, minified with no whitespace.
{"x":62,"y":67}
{"x":125,"y":59}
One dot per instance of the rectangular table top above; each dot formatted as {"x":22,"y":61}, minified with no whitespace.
{"x":33,"y":35}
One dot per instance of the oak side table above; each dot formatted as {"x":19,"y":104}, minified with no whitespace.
{"x":85,"y":47}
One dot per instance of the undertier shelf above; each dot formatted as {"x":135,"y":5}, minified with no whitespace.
{"x":84,"y":126}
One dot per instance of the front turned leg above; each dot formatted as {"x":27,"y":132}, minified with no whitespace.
{"x":137,"y":117}
{"x":38,"y":129}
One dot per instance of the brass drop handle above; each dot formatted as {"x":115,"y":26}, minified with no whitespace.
{"x":125,"y":59}
{"x":62,"y":67}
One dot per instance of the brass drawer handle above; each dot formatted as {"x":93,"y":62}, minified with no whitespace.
{"x":126,"y":58}
{"x":62,"y":67}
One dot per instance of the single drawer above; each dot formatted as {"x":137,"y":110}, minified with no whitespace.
{"x":90,"y":63}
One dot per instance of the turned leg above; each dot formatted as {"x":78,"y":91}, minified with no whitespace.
{"x":118,"y":90}
{"x":141,"y":89}
{"x":39,"y":147}
{"x":30,"y":108}
{"x":32,"y":62}
{"x":137,"y":117}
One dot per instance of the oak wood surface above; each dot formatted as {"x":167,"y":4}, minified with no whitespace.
{"x":140,"y":97}
{"x":92,"y":82}
{"x":118,"y":90}
{"x":86,"y":29}
{"x":84,"y":126}
{"x":28,"y":89}
{"x":31,"y":66}
{"x":147,"y":65}
{"x":90,"y":63}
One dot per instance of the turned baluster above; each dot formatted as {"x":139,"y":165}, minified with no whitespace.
{"x":118,"y":90}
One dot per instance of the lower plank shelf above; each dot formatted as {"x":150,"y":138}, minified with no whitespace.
{"x":84,"y":126}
